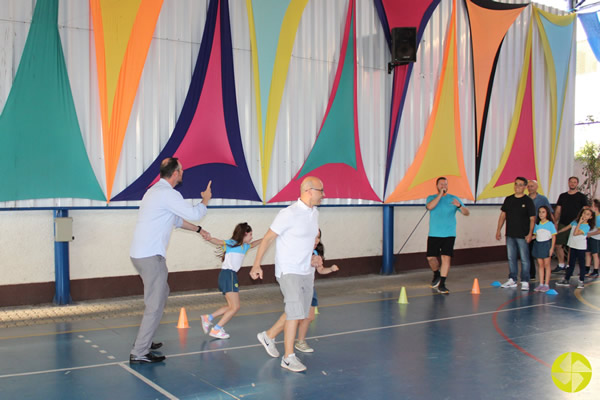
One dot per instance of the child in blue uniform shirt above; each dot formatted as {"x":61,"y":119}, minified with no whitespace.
{"x":545,"y":237}
{"x":578,"y":244}
{"x":232,"y":253}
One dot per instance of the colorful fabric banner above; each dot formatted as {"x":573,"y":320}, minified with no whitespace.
{"x":42,"y":154}
{"x":556,"y":34}
{"x":440,"y":153}
{"x":591,"y":26}
{"x":519,"y":156}
{"x":335,"y":157}
{"x":489,"y":21}
{"x":122,"y":35}
{"x":272,"y":35}
{"x":207,"y":137}
{"x":392,"y":14}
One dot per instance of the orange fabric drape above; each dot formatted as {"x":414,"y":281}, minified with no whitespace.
{"x":116,"y":118}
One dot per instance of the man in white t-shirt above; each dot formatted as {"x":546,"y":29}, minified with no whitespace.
{"x":294,"y":231}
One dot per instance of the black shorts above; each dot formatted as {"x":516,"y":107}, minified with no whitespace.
{"x":437,"y":246}
{"x":563,"y":237}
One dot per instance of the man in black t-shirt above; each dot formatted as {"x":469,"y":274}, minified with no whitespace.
{"x":567,"y":207}
{"x":518,"y":211}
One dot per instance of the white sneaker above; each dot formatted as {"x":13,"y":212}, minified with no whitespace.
{"x":525,"y":286}
{"x":509,"y":283}
{"x":302,"y":346}
{"x":268,"y":344}
{"x":219,"y":333}
{"x":292,"y":363}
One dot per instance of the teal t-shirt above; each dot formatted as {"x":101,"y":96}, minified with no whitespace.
{"x":442,"y":219}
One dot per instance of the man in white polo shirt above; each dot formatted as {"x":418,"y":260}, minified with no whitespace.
{"x":294,"y":231}
{"x":161,"y":209}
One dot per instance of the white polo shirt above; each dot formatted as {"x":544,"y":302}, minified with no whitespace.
{"x":161,"y":209}
{"x":296,"y":227}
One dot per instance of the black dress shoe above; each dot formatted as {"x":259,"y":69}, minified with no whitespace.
{"x":146,"y":359}
{"x":155,"y":346}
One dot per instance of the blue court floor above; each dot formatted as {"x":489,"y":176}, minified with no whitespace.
{"x":500,"y":344}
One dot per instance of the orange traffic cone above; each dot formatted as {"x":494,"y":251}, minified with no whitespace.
{"x":183,"y":334}
{"x":183,"y":321}
{"x":475,"y":289}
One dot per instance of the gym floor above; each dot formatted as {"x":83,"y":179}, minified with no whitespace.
{"x":501,"y":343}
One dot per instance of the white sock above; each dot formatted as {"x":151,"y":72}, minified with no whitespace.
{"x":561,"y":265}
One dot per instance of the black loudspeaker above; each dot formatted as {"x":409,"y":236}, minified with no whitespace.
{"x":404,"y":45}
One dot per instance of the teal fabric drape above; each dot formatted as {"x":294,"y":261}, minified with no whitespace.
{"x":42,"y":154}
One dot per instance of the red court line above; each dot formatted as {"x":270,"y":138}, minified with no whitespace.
{"x":522,"y":350}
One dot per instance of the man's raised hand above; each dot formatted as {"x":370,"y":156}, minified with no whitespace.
{"x":207,"y":194}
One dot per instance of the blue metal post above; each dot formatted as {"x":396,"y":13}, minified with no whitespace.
{"x":387,"y":268}
{"x":62,"y":294}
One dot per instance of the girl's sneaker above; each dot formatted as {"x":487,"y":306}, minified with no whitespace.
{"x":538,"y":288}
{"x":205,"y":323}
{"x":593,"y":274}
{"x":219,"y":333}
{"x":545,"y":288}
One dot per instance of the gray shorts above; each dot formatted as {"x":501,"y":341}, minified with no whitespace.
{"x":297,"y":294}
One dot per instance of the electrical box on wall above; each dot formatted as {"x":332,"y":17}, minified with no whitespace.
{"x":63,"y":229}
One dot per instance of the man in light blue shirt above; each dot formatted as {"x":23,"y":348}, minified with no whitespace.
{"x":442,"y":232}
{"x":162,"y":208}
{"x":538,"y":199}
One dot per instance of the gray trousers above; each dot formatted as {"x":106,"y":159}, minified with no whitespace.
{"x":154,"y":273}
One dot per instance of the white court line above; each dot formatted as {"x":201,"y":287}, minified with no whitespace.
{"x":312,"y":337}
{"x":574,"y":309}
{"x":426,"y":321}
{"x":148,"y":382}
{"x":47,"y":371}
{"x":364,"y":330}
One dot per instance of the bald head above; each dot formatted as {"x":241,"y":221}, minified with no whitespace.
{"x":310,"y":182}
{"x":311,"y":191}
{"x":532,"y":186}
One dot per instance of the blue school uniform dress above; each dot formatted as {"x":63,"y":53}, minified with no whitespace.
{"x":543,"y":239}
{"x":234,"y":255}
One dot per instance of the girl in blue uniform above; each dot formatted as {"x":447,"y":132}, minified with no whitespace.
{"x":586,"y":221}
{"x":232,"y":253}
{"x":545,"y":237}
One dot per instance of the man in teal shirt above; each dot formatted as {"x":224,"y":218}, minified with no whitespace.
{"x":442,"y":232}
